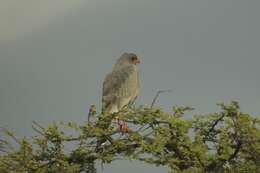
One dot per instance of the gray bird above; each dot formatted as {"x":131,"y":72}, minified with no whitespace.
{"x":120,"y":88}
{"x":122,"y":85}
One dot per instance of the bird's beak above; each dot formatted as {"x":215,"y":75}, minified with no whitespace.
{"x":137,"y":61}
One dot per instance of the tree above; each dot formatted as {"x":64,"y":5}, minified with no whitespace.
{"x":225,"y":141}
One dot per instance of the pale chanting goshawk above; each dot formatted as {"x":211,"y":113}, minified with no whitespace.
{"x":122,"y":85}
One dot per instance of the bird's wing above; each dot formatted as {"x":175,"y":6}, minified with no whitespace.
{"x":119,"y":86}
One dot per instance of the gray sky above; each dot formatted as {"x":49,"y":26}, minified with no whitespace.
{"x":54,"y":55}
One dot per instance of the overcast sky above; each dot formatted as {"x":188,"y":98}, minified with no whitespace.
{"x":54,"y":55}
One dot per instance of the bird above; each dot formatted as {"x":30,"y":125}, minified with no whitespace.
{"x":121,"y":86}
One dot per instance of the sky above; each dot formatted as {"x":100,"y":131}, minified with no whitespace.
{"x":54,"y":55}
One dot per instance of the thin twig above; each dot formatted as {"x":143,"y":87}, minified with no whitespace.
{"x":10,"y":134}
{"x":140,"y":128}
{"x":149,"y":127}
{"x":157,"y":95}
{"x":38,"y":125}
{"x":38,"y":131}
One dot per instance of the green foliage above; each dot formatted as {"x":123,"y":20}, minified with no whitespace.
{"x":226,"y":141}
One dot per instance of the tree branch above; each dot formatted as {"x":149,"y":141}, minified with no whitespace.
{"x":213,"y":125}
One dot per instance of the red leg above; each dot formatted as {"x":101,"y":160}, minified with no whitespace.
{"x":123,"y":127}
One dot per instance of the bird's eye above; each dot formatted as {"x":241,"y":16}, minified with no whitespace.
{"x":134,"y":58}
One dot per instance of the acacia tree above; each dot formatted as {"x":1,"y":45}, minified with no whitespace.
{"x":224,"y":141}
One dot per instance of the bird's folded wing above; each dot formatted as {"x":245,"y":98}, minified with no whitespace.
{"x":116,"y":84}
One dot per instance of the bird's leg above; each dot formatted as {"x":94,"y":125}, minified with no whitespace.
{"x":123,"y":127}
{"x":120,"y":124}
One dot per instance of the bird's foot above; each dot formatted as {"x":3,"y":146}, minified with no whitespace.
{"x":123,"y":127}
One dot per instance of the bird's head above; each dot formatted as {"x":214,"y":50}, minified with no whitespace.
{"x":134,"y":59}
{"x":127,"y":59}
